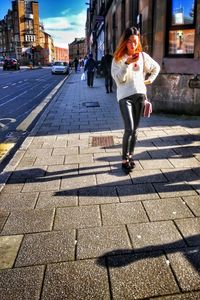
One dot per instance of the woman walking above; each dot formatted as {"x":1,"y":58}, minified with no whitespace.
{"x":128,"y":68}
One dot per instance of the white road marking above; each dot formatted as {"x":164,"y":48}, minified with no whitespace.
{"x":40,"y":93}
{"x":13,"y":99}
{"x":5,"y":97}
{"x":5,"y":87}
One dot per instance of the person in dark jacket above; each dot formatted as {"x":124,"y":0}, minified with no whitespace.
{"x":76,"y":64}
{"x":90,"y":68}
{"x":106,"y":67}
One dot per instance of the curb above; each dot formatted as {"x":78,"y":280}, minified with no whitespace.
{"x":13,"y":163}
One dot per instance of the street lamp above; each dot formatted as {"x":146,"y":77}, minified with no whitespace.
{"x":90,"y":25}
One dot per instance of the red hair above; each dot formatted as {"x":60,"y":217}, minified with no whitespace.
{"x":121,"y":49}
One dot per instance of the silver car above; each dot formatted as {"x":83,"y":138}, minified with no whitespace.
{"x":60,"y":67}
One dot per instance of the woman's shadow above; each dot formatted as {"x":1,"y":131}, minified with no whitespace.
{"x":123,"y":257}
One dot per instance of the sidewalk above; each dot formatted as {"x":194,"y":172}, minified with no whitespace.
{"x":73,"y":226}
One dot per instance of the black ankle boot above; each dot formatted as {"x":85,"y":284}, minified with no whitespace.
{"x":126,"y":167}
{"x":132,"y":163}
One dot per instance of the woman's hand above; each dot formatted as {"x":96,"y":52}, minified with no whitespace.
{"x":147,"y":82}
{"x":133,"y":58}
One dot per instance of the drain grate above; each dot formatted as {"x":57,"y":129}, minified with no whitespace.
{"x":104,"y":141}
{"x":91,"y":104}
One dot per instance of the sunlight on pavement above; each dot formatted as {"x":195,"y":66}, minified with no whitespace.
{"x":5,"y":148}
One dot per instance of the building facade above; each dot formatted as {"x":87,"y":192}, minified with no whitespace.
{"x":61,"y":54}
{"x":170,"y":32}
{"x":77,"y":49}
{"x":22,"y":35}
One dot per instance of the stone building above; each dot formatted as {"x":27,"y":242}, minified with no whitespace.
{"x":77,"y":48}
{"x":21,"y":31}
{"x":170,"y":34}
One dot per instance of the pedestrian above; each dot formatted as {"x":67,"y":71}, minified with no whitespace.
{"x":90,"y":68}
{"x":85,"y":60}
{"x":76,"y":64}
{"x":106,"y":67}
{"x":128,"y":68}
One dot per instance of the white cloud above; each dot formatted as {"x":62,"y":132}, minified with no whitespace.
{"x":66,"y":28}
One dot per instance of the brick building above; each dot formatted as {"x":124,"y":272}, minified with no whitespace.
{"x":61,"y":54}
{"x":21,"y":31}
{"x":170,"y":34}
{"x":78,"y":48}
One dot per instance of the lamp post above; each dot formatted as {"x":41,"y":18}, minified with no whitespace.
{"x":90,"y":25}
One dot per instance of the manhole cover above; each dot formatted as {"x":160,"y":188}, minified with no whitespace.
{"x":104,"y":141}
{"x":91,"y":104}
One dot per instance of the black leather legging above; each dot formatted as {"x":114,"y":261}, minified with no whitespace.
{"x":131,"y":109}
{"x":90,"y":78}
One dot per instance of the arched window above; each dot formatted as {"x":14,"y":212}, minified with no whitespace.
{"x":181,"y":28}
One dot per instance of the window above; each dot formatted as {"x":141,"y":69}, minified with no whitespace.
{"x":181,"y":28}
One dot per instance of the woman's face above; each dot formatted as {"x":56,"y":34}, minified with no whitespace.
{"x":132,"y":44}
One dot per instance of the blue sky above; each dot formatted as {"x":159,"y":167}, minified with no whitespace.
{"x":186,"y":4}
{"x":63,"y":19}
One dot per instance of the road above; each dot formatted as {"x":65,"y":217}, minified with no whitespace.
{"x":21,"y":92}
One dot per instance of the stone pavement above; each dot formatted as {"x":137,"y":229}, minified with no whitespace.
{"x":73,"y":226}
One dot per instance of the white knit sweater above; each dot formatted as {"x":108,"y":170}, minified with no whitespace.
{"x":130,"y":80}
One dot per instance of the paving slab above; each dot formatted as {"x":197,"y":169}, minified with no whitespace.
{"x":38,"y":153}
{"x":49,"y":160}
{"x":9,"y":246}
{"x":180,"y":174}
{"x":154,"y":236}
{"x":18,"y":201}
{"x":27,"y":162}
{"x":11,"y":188}
{"x":190,"y":229}
{"x":28,"y":221}
{"x":3,"y":218}
{"x":123,"y":213}
{"x":146,"y":176}
{"x":86,"y":158}
{"x":113,"y":178}
{"x":185,"y":296}
{"x":22,"y":283}
{"x":137,"y":276}
{"x":184,"y":162}
{"x":98,"y":195}
{"x":95,"y":242}
{"x":167,"y":209}
{"x":54,"y":199}
{"x":41,"y":184}
{"x":156,"y":164}
{"x":194,"y":204}
{"x":61,"y":171}
{"x":78,"y":181}
{"x":76,"y":281}
{"x":46,"y":247}
{"x":65,"y":151}
{"x":22,"y":173}
{"x":171,"y":189}
{"x":137,"y":192}
{"x":94,"y":168}
{"x":162,"y":153}
{"x":186,"y":266}
{"x":77,"y":217}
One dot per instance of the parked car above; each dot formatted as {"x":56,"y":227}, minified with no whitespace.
{"x":60,"y":67}
{"x":11,"y":63}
